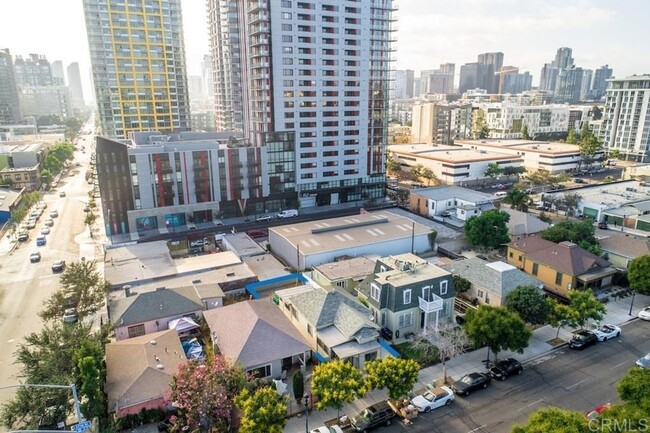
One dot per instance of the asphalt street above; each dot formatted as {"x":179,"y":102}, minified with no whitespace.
{"x":576,"y":380}
{"x":24,"y":286}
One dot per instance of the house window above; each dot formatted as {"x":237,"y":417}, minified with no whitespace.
{"x":375,"y":292}
{"x":407,"y":297}
{"x":520,"y":258}
{"x":480,"y":294}
{"x":136,"y":331}
{"x":406,"y":320}
{"x":443,"y":287}
{"x":558,"y":278}
{"x":310,"y":330}
{"x":340,"y":284}
{"x":535,"y":268}
{"x":370,"y":356}
{"x":383,"y":319}
{"x":511,"y":254}
{"x":260,"y":372}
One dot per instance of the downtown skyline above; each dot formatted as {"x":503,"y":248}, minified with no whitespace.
{"x":599,"y":33}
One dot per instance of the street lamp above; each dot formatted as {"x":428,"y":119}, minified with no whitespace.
{"x":632,"y":303}
{"x":305,"y":399}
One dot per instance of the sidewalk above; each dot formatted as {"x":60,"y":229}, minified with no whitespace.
{"x":617,"y":313}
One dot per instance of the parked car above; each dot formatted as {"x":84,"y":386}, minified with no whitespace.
{"x":86,"y":208}
{"x":191,"y":226}
{"x":263,"y":218}
{"x":45,"y":230}
{"x":23,"y":237}
{"x":58,"y":266}
{"x":373,"y":416}
{"x":386,"y":334}
{"x":41,"y":240}
{"x":644,"y":362}
{"x":256,"y":234}
{"x":70,"y":315}
{"x":602,"y":226}
{"x":49,"y":222}
{"x":325,"y":429}
{"x":433,"y":399}
{"x":54,"y":213}
{"x":593,"y":414}
{"x":504,"y":368}
{"x":644,"y":314}
{"x":62,"y":194}
{"x":582,"y":339}
{"x":31,"y":223}
{"x":607,"y":331}
{"x":579,"y":180}
{"x":35,"y":257}
{"x":471,"y":382}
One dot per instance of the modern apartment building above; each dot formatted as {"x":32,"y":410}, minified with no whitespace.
{"x":320,"y":70}
{"x":506,"y":119}
{"x":9,"y":105}
{"x":45,"y":101}
{"x":76,"y":89}
{"x":34,"y":70}
{"x":163,"y":181}
{"x":509,"y":80}
{"x":402,"y":84}
{"x":441,"y":123}
{"x":493,"y":63}
{"x":568,"y":85}
{"x":626,"y":119}
{"x":599,"y":87}
{"x":138,"y":65}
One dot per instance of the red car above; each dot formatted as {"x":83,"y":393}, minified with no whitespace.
{"x":593,"y":414}
{"x":255,"y":234}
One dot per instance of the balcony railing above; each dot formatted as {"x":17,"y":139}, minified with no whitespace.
{"x":435,"y":304}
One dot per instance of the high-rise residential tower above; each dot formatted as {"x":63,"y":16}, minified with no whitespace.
{"x":9,"y":103}
{"x":76,"y":89}
{"x":320,"y":69}
{"x":472,"y":76}
{"x":138,"y":62}
{"x":493,"y":63}
{"x":626,"y":118}
{"x":568,"y":85}
{"x":58,"y":77}
{"x":34,"y":70}
{"x":402,"y":84}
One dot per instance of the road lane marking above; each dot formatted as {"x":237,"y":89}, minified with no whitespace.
{"x":576,"y":384}
{"x":618,"y":365}
{"x":477,"y":428}
{"x":531,"y":404}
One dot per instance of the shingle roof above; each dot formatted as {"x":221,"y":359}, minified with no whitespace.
{"x":138,"y":371}
{"x":322,"y":309}
{"x":522,"y":223}
{"x":498,"y":277}
{"x":569,"y":258}
{"x":531,"y":243}
{"x":254,"y":332}
{"x":154,"y":305}
{"x":626,"y":246}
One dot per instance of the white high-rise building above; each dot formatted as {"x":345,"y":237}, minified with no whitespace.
{"x":320,"y":69}
{"x":626,"y":119}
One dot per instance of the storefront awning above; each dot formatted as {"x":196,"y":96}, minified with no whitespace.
{"x":593,"y":276}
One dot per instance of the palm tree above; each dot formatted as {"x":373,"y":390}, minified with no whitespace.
{"x":517,"y":199}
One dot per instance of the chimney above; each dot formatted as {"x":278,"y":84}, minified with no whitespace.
{"x":127,"y":290}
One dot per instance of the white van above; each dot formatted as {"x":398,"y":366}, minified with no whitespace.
{"x":289,"y":213}
{"x":500,"y":194}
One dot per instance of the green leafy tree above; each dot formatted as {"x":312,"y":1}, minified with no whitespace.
{"x":614,"y":153}
{"x":543,"y":217}
{"x":393,"y":166}
{"x":554,"y":420}
{"x":263,"y":411}
{"x":517,"y":199}
{"x":336,"y":383}
{"x":429,"y":175}
{"x":92,"y":375}
{"x":90,"y":218}
{"x":488,"y":230}
{"x":571,"y":200}
{"x":397,"y":375}
{"x":494,"y":170}
{"x":480,"y":128}
{"x":580,"y":233}
{"x":82,"y":287}
{"x":585,"y":307}
{"x":597,"y":112}
{"x":524,"y":133}
{"x":416,"y":171}
{"x":497,"y":328}
{"x":46,"y":177}
{"x":52,"y":163}
{"x":529,"y":302}
{"x":461,"y":284}
{"x":634,"y":388}
{"x":444,"y":343}
{"x":638,"y":274}
{"x":298,"y":385}
{"x":589,"y":144}
{"x":484,"y":132}
{"x":573,"y":137}
{"x":204,"y":393}
{"x":432,"y":236}
{"x":560,"y":315}
{"x":513,"y":171}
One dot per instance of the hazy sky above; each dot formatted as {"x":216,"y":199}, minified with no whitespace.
{"x":430,"y":32}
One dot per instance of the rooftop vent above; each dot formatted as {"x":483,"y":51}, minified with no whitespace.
{"x":153,"y":342}
{"x":160,"y":366}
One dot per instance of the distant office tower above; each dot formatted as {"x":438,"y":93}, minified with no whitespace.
{"x":311,"y":68}
{"x":563,"y":58}
{"x":568,"y":85}
{"x":548,"y":77}
{"x":402,"y":84}
{"x":45,"y":101}
{"x":58,"y":77}
{"x":76,"y":89}
{"x":585,"y":88}
{"x":512,"y":82}
{"x":472,"y":76}
{"x":626,"y":118}
{"x":441,"y":81}
{"x":226,"y":52}
{"x":493,"y":63}
{"x":601,"y":75}
{"x":417,"y":86}
{"x":138,"y":61}
{"x":9,"y":105}
{"x":33,"y":71}
{"x":207,"y":73}
{"x":425,"y":74}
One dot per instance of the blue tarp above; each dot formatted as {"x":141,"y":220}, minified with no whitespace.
{"x":383,"y":343}
{"x":252,"y":287}
{"x":320,"y":358}
{"x":192,"y":349}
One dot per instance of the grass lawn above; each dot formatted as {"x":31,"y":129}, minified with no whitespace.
{"x":407,"y":350}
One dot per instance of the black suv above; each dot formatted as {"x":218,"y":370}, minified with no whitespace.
{"x":373,"y":416}
{"x":504,"y":368}
{"x":582,"y":339}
